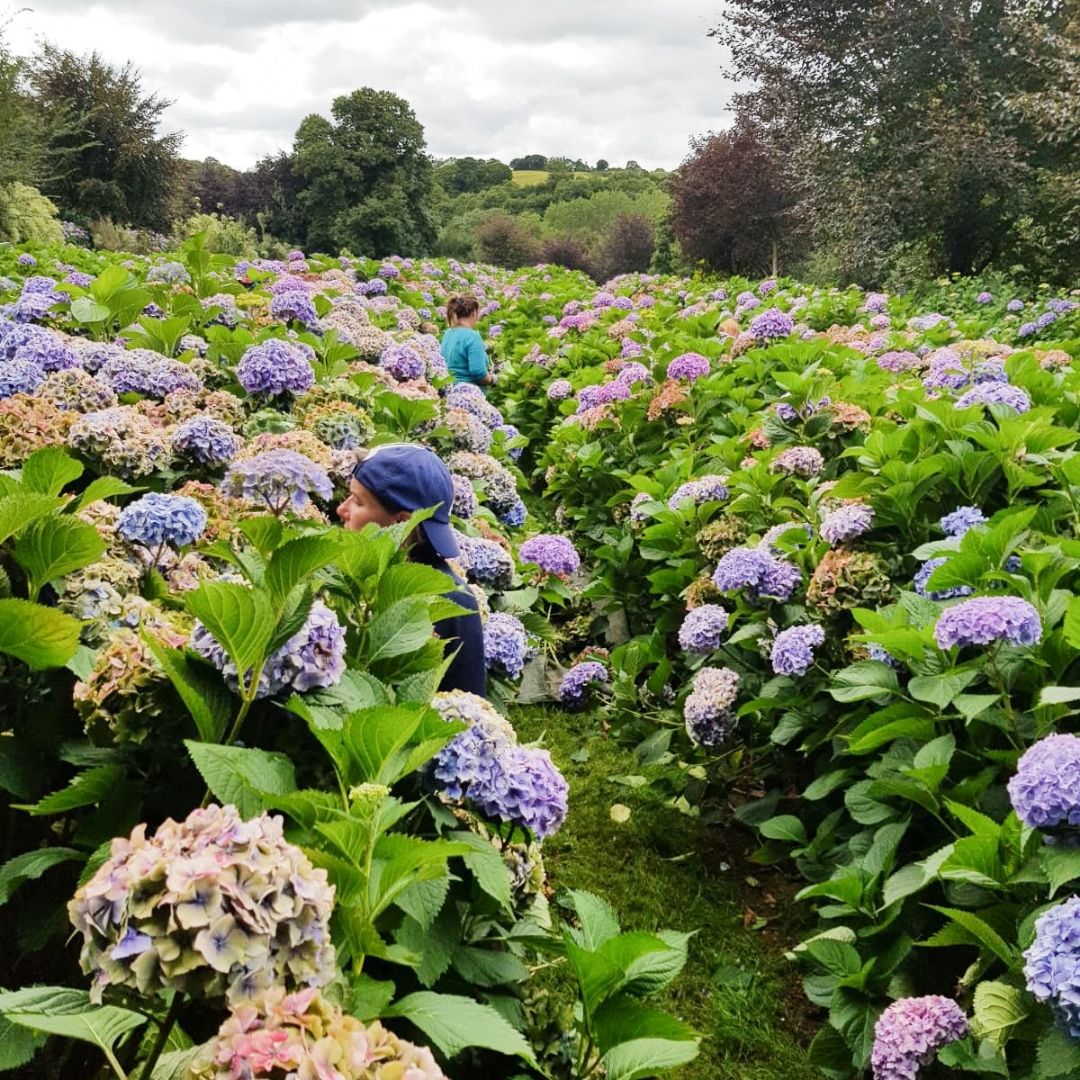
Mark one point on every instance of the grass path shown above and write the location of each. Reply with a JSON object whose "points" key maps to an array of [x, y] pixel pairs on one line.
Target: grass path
{"points": [[737, 989]]}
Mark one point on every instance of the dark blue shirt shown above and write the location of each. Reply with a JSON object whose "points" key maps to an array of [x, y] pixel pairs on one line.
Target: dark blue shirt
{"points": [[465, 633]]}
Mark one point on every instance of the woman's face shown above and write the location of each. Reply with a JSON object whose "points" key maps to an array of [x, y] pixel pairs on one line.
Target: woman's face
{"points": [[362, 508]]}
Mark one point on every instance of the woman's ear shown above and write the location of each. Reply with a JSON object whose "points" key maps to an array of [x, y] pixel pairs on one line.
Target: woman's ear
{"points": [[400, 516]]}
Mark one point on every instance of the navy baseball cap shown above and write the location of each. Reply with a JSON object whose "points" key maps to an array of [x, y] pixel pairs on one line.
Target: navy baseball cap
{"points": [[404, 477]]}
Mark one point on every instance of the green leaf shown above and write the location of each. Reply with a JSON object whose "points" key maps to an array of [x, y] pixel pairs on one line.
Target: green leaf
{"points": [[622, 1019], [646, 1057], [1058, 1055], [56, 546], [207, 698], [22, 509], [599, 923], [49, 470], [387, 742], [30, 865], [659, 970], [487, 866], [85, 309], [18, 1044], [785, 827], [69, 1013], [86, 789], [940, 690], [866, 679], [998, 1008], [295, 562], [239, 618], [104, 487], [412, 579], [837, 957], [402, 628], [1071, 626], [176, 1065], [597, 976], [488, 968], [424, 900], [1061, 865], [242, 775], [39, 636], [1059, 695], [982, 932], [452, 1023], [264, 532]]}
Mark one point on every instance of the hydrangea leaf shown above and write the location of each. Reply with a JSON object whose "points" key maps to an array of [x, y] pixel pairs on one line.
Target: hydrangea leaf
{"points": [[39, 636]]}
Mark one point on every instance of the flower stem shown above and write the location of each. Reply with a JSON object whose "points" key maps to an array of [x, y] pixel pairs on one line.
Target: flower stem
{"points": [[163, 1035]]}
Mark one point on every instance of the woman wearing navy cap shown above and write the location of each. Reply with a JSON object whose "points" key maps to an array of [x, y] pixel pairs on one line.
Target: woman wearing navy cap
{"points": [[387, 487]]}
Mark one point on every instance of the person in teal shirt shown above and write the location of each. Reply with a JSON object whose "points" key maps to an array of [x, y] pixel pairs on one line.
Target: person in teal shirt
{"points": [[462, 347]]}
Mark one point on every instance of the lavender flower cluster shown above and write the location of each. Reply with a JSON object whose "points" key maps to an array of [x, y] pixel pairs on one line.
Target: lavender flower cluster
{"points": [[984, 620], [759, 571], [485, 562], [689, 366], [772, 323], [274, 368], [1045, 791], [792, 650], [313, 657], [846, 523], [1052, 963], [278, 479], [205, 441], [578, 682], [911, 1031], [402, 362], [157, 520], [506, 645], [703, 629], [707, 712], [552, 553], [704, 489], [802, 461], [213, 905]]}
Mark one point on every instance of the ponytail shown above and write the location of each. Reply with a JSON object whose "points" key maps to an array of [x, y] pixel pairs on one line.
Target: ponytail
{"points": [[460, 307]]}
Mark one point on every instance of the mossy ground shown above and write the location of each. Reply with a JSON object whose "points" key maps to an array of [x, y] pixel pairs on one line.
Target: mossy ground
{"points": [[737, 989]]}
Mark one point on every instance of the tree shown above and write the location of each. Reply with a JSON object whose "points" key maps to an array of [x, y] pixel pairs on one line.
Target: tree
{"points": [[905, 99], [529, 163], [730, 201], [629, 245], [105, 157], [567, 251], [367, 179], [505, 241], [22, 149], [602, 165], [470, 174]]}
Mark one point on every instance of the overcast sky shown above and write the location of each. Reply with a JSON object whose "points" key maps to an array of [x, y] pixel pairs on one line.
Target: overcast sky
{"points": [[613, 79]]}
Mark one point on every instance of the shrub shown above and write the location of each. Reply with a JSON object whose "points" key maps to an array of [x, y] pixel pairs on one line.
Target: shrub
{"points": [[27, 216], [504, 241]]}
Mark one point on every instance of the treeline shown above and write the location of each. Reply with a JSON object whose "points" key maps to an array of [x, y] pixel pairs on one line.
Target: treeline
{"points": [[889, 143]]}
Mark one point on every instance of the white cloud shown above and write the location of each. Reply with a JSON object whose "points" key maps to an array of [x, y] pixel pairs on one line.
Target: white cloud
{"points": [[618, 79]]}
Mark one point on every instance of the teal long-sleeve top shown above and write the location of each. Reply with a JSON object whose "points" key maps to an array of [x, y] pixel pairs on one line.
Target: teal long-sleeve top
{"points": [[465, 355]]}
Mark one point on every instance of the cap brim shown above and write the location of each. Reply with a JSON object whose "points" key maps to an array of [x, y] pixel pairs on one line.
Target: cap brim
{"points": [[441, 537]]}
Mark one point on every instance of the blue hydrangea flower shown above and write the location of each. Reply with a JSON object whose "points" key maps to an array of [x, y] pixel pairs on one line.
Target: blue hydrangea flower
{"points": [[1045, 791], [757, 570], [705, 489], [984, 298], [465, 500], [206, 440], [995, 393], [1052, 963], [793, 649], [402, 362], [1015, 305], [19, 377], [559, 390], [273, 368], [530, 792], [155, 521], [295, 304], [689, 366], [707, 713], [278, 478], [983, 620], [49, 352], [515, 515], [506, 645], [485, 561], [963, 518], [925, 572], [703, 629], [579, 680]]}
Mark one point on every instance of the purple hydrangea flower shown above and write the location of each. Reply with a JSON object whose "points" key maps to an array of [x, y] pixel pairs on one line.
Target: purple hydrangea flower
{"points": [[26, 259], [19, 377], [553, 554], [205, 440], [983, 620], [506, 644], [803, 461], [961, 520], [559, 390], [278, 478], [508, 432], [388, 270], [928, 322], [403, 363], [1045, 791], [984, 298], [926, 571], [157, 520], [589, 397], [707, 713], [876, 302], [757, 570], [515, 515], [465, 500], [273, 368], [576, 683], [46, 350], [639, 516], [39, 283], [703, 629], [1052, 963], [689, 366], [793, 649], [530, 792], [898, 361], [313, 657], [294, 304], [485, 561], [995, 393], [1015, 305], [165, 376], [702, 490], [846, 523], [772, 323], [633, 373], [911, 1031]]}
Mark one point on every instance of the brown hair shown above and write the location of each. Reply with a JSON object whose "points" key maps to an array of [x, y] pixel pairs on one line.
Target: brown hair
{"points": [[461, 307]]}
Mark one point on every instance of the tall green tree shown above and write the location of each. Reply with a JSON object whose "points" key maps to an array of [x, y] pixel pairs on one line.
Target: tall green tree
{"points": [[109, 159], [21, 144], [897, 117], [368, 182]]}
